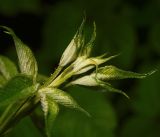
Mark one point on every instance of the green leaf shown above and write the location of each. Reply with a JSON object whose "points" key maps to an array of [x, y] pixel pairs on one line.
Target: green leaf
{"points": [[114, 73], [18, 88], [7, 68], [63, 98], [27, 61], [21, 95], [51, 110], [12, 97]]}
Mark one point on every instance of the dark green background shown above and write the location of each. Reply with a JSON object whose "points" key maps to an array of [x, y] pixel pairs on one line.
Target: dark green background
{"points": [[129, 27]]}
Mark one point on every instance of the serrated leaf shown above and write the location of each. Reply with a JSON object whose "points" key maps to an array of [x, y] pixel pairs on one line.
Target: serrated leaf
{"points": [[51, 110], [63, 98], [27, 61], [16, 89], [7, 68], [114, 73]]}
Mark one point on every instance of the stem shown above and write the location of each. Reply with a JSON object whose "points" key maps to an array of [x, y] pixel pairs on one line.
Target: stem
{"points": [[8, 116], [66, 74], [14, 113], [58, 82], [53, 76]]}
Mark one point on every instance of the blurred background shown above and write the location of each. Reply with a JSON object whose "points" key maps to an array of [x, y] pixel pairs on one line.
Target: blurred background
{"points": [[129, 27]]}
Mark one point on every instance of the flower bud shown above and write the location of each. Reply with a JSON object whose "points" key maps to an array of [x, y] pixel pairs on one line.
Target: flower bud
{"points": [[71, 52]]}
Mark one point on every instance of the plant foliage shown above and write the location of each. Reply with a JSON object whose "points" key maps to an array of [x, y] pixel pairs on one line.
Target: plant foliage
{"points": [[22, 91]]}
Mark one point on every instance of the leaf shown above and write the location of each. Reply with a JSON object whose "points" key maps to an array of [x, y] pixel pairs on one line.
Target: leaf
{"points": [[63, 98], [51, 110], [18, 88], [113, 73], [27, 61], [21, 95], [7, 68], [12, 97]]}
